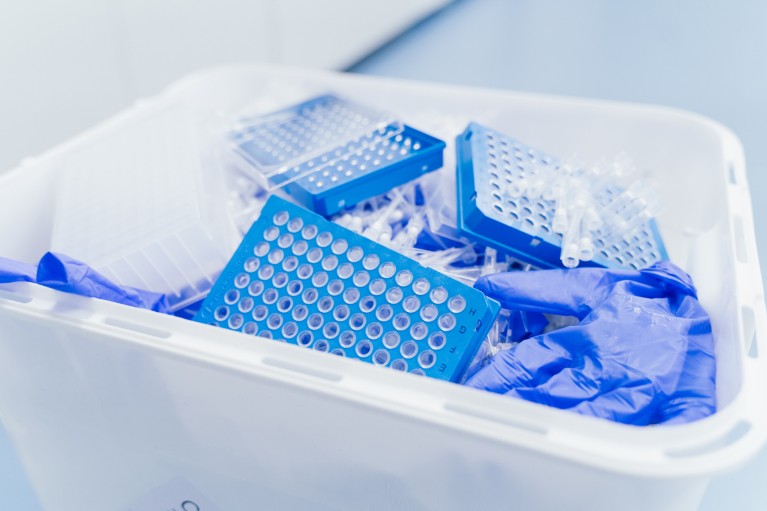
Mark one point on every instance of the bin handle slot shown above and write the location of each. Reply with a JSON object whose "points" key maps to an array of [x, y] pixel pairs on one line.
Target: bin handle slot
{"points": [[731, 173], [14, 297], [748, 319], [134, 327], [732, 436], [307, 371], [489, 416]]}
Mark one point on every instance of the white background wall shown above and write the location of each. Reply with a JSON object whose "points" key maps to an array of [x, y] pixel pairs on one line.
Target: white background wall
{"points": [[65, 65]]}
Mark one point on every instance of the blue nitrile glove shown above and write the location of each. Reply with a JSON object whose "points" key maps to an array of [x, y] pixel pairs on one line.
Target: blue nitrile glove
{"points": [[643, 352], [15, 271], [66, 274]]}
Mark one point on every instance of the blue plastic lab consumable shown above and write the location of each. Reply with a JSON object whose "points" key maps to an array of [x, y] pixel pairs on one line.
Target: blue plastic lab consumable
{"points": [[60, 272], [495, 212], [642, 352], [329, 153], [298, 278]]}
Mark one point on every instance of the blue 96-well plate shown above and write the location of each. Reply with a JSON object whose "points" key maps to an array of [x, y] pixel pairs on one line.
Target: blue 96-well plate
{"points": [[303, 280]]}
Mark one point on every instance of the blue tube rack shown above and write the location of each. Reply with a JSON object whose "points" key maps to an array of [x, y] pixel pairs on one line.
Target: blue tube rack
{"points": [[299, 278], [391, 162], [520, 227]]}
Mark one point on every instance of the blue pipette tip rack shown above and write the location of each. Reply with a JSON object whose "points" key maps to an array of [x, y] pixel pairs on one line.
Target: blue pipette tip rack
{"points": [[486, 161], [329, 153], [301, 279]]}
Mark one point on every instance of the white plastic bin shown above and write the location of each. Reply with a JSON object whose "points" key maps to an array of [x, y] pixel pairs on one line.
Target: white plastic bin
{"points": [[105, 403]]}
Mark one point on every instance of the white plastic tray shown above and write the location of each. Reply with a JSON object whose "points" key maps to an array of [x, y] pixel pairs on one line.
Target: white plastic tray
{"points": [[105, 403]]}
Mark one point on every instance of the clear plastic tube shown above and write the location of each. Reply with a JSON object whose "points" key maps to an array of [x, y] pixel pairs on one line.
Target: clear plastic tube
{"points": [[559, 223], [571, 240]]}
